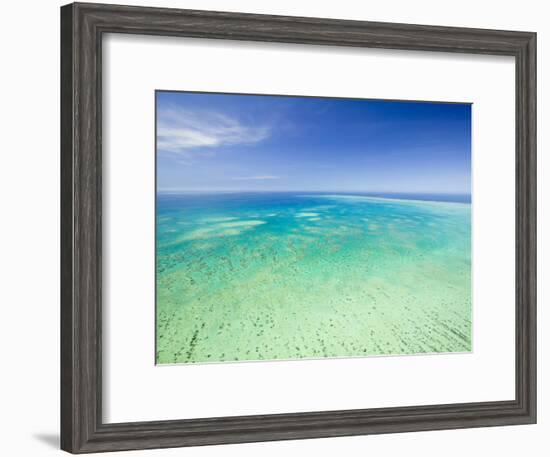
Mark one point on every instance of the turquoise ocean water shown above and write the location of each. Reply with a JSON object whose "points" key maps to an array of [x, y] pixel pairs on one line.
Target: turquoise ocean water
{"points": [[265, 276]]}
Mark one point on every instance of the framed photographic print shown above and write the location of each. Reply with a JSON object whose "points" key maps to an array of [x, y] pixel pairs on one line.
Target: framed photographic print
{"points": [[282, 227]]}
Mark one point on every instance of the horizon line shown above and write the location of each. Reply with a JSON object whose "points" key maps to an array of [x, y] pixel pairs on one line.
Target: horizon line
{"points": [[260, 191]]}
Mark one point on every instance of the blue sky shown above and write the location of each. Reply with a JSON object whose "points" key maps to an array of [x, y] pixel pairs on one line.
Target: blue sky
{"points": [[220, 142]]}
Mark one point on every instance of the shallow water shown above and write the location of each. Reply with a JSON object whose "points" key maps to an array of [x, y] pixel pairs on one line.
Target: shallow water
{"points": [[288, 276]]}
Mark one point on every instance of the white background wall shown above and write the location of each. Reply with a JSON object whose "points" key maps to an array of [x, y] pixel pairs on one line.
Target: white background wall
{"points": [[29, 241]]}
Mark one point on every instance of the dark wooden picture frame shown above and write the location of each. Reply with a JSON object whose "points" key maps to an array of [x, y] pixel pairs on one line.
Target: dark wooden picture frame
{"points": [[82, 29]]}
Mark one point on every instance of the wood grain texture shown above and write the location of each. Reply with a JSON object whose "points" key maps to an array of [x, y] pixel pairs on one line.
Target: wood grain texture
{"points": [[82, 28]]}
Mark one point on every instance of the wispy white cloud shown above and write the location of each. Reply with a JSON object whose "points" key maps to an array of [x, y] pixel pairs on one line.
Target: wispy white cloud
{"points": [[186, 132], [256, 178]]}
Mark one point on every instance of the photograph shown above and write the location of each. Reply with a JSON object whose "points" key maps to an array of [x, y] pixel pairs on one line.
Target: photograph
{"points": [[294, 227]]}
